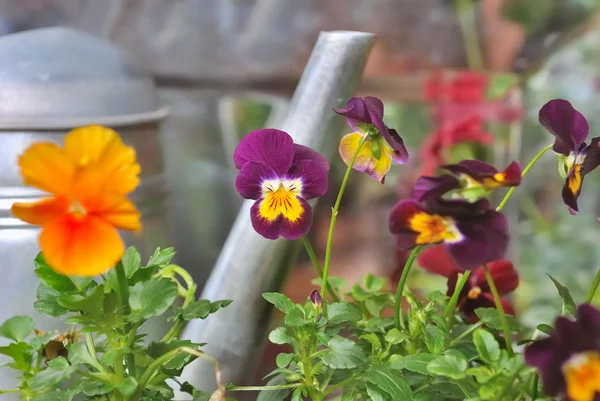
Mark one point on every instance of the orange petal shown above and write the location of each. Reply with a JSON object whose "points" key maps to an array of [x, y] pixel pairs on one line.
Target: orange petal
{"points": [[80, 245], [46, 166], [116, 210], [40, 212]]}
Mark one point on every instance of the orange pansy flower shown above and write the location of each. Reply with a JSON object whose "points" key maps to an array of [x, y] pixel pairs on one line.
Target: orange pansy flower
{"points": [[89, 179]]}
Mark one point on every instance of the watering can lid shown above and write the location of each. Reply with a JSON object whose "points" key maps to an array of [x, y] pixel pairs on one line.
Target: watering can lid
{"points": [[60, 78]]}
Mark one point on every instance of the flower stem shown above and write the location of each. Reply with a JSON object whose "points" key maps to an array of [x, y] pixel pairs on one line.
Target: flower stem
{"points": [[465, 333], [317, 265], [334, 213], [263, 388], [124, 298], [525, 171], [189, 296], [465, 10], [454, 300], [399, 321], [592, 292], [498, 302]]}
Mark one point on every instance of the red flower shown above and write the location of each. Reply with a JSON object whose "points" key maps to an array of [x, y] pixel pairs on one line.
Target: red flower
{"points": [[476, 292], [465, 86]]}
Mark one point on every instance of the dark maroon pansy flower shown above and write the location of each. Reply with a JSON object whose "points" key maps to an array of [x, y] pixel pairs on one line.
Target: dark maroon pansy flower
{"points": [[476, 173], [569, 360], [570, 129], [427, 187], [281, 176], [473, 233], [476, 293], [369, 110]]}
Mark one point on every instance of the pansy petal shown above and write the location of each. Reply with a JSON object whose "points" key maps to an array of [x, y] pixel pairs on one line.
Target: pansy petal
{"points": [[80, 246], [437, 261], [296, 229], [572, 189], [280, 226], [488, 298], [46, 166], [355, 112], [302, 152], [406, 241], [473, 168], [504, 274], [569, 126], [374, 106], [427, 187], [540, 355], [483, 240], [312, 175], [272, 147], [592, 157], [401, 213], [365, 160], [251, 177], [400, 154], [85, 145], [120, 212], [40, 212]]}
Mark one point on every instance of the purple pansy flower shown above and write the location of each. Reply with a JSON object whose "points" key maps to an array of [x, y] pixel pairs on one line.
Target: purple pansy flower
{"points": [[570, 129], [473, 233], [382, 146], [569, 360], [281, 176], [476, 173]]}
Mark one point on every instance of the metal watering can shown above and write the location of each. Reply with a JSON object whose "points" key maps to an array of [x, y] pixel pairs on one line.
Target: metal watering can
{"points": [[250, 264]]}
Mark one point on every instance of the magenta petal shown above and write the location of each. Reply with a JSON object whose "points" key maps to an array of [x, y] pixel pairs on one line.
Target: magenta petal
{"points": [[313, 177], [569, 126], [397, 144], [281, 227], [427, 187], [302, 152], [485, 240], [355, 112], [250, 178], [374, 106], [266, 228], [272, 147], [401, 214], [406, 241], [299, 228], [473, 168]]}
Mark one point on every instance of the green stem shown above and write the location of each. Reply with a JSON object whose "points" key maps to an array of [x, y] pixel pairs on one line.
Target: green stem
{"points": [[263, 388], [534, 386], [457, 290], [465, 10], [90, 345], [334, 213], [124, 298], [590, 295], [399, 321], [465, 333], [498, 302], [525, 171], [317, 265], [189, 296]]}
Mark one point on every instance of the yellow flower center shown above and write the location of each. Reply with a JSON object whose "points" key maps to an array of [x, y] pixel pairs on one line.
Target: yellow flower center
{"points": [[575, 179], [77, 209], [281, 198], [582, 374], [433, 229], [474, 293]]}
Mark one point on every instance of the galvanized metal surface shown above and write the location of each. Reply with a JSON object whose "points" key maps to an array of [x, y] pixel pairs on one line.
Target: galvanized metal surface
{"points": [[250, 264]]}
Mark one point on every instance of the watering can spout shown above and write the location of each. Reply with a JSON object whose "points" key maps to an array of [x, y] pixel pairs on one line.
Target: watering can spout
{"points": [[250, 264]]}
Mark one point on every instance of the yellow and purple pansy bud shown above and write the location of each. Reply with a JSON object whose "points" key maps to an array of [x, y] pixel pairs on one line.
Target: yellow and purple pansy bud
{"points": [[569, 360], [382, 147], [576, 159], [473, 233], [281, 176], [478, 179]]}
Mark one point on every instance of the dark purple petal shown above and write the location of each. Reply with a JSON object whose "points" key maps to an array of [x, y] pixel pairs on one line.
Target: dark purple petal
{"points": [[374, 107], [312, 175], [592, 156], [406, 241], [355, 112], [541, 355], [281, 227], [568, 126], [484, 240], [302, 152], [473, 168], [397, 144], [570, 197], [250, 178], [589, 318], [427, 187], [401, 214], [315, 298], [504, 274], [272, 147]]}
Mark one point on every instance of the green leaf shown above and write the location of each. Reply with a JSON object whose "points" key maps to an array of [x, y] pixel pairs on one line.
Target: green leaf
{"points": [[373, 283], [395, 336], [280, 335], [177, 362], [81, 282], [80, 354], [487, 346], [17, 328], [376, 393], [128, 386], [283, 360], [274, 395], [544, 328], [91, 387], [435, 339], [482, 373], [51, 278], [323, 338], [339, 312], [20, 353], [391, 382], [58, 370], [37, 342], [161, 257], [131, 261], [491, 318], [91, 303], [351, 392], [375, 342], [201, 309], [568, 303], [57, 395], [414, 362], [151, 298], [343, 354], [426, 396], [47, 303], [295, 317], [449, 366], [280, 301]]}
